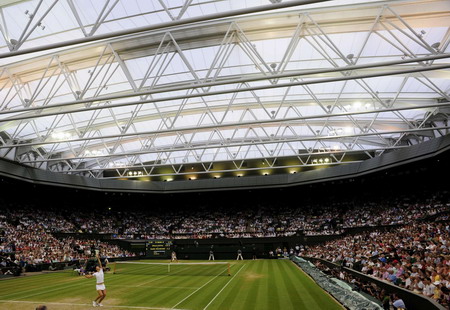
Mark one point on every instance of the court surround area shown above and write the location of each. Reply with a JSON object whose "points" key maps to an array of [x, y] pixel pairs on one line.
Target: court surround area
{"points": [[258, 284]]}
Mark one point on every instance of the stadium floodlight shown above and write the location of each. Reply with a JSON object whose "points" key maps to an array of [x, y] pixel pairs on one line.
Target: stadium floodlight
{"points": [[348, 129], [357, 105], [436, 45], [93, 153], [61, 135]]}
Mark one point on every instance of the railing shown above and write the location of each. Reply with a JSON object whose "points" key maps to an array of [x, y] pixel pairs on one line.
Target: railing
{"points": [[412, 300]]}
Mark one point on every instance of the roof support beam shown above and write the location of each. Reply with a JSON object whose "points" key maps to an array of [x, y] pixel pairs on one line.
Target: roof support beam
{"points": [[242, 123], [169, 24], [234, 81], [228, 91]]}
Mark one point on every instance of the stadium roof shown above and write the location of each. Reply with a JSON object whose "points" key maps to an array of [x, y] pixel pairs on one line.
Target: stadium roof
{"points": [[164, 89]]}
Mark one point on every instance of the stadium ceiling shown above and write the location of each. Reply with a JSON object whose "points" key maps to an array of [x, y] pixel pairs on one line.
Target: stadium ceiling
{"points": [[157, 90]]}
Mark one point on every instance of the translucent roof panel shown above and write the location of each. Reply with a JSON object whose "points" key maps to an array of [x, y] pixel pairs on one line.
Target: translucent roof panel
{"points": [[278, 87]]}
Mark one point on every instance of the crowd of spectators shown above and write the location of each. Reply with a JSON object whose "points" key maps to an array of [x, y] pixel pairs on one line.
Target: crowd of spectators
{"points": [[26, 239], [40, 235], [201, 222], [415, 257]]}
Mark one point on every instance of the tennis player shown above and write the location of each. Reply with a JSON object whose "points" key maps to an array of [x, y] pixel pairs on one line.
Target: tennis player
{"points": [[100, 284], [174, 257], [239, 256]]}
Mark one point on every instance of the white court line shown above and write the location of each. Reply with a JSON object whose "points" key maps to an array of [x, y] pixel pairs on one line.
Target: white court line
{"points": [[84, 305], [194, 292], [224, 287], [172, 273], [183, 287], [174, 264], [152, 280], [44, 292]]}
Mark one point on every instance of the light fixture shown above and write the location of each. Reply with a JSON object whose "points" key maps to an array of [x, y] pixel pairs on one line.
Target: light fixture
{"points": [[327, 160], [61, 135], [357, 105]]}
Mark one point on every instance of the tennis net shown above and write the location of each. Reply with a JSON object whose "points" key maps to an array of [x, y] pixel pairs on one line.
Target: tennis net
{"points": [[189, 269]]}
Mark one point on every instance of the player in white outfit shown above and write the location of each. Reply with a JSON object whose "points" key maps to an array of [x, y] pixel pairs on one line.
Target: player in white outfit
{"points": [[174, 257], [239, 256], [100, 284]]}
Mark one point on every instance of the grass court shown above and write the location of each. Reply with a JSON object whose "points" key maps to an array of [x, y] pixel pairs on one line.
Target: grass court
{"points": [[259, 284]]}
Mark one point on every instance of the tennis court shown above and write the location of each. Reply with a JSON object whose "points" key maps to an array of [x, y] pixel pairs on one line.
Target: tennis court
{"points": [[259, 284]]}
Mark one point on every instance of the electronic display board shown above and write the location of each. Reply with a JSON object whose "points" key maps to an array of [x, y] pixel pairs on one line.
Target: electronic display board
{"points": [[159, 248]]}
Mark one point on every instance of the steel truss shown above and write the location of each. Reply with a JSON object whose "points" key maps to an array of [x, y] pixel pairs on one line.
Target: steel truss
{"points": [[89, 109]]}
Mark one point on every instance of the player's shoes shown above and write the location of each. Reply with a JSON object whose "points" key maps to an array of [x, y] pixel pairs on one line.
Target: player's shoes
{"points": [[100, 305], [94, 304]]}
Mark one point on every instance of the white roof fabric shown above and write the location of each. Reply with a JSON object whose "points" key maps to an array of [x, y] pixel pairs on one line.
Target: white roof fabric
{"points": [[225, 90]]}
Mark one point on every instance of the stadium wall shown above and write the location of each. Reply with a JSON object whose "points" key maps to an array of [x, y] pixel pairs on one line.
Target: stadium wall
{"points": [[388, 160], [224, 248]]}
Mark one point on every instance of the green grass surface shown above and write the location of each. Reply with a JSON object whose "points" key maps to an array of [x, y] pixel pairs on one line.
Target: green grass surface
{"points": [[260, 284]]}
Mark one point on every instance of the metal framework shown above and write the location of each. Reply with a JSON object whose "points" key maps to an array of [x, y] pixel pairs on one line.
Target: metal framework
{"points": [[306, 86]]}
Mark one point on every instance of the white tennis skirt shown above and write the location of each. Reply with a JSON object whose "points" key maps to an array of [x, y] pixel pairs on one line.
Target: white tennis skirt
{"points": [[100, 287]]}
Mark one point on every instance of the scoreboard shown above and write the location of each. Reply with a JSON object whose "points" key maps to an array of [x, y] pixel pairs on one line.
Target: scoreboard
{"points": [[159, 248]]}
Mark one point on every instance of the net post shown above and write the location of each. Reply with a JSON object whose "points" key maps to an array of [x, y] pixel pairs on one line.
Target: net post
{"points": [[114, 268], [228, 267], [168, 268]]}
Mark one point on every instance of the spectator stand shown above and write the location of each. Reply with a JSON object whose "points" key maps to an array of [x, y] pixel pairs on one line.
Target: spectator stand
{"points": [[412, 300]]}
